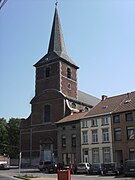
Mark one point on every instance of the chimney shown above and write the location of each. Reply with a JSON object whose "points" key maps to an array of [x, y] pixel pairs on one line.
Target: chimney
{"points": [[128, 95], [104, 97]]}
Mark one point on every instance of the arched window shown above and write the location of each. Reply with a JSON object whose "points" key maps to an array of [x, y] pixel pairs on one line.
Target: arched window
{"points": [[69, 86], [68, 73], [47, 113], [73, 105], [47, 72]]}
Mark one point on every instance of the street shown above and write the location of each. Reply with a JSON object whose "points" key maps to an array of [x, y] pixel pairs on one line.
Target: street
{"points": [[37, 175], [4, 177], [91, 177]]}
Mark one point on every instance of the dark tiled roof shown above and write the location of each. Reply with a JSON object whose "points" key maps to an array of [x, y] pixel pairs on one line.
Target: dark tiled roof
{"points": [[56, 47], [114, 104], [85, 99], [72, 117], [88, 99]]}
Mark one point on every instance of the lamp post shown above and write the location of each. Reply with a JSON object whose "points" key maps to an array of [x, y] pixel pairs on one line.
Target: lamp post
{"points": [[20, 157]]}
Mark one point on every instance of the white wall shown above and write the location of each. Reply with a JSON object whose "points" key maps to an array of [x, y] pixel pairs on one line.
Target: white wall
{"points": [[100, 143]]}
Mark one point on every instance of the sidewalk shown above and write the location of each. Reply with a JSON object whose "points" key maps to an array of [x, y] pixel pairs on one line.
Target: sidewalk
{"points": [[44, 178]]}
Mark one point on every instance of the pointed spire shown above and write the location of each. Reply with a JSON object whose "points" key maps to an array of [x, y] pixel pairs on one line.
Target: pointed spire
{"points": [[56, 3], [56, 47], [56, 40]]}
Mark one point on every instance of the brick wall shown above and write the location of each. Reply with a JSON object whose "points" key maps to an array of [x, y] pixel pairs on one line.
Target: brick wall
{"points": [[124, 145]]}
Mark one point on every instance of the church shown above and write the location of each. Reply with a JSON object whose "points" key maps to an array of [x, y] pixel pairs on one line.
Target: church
{"points": [[56, 97]]}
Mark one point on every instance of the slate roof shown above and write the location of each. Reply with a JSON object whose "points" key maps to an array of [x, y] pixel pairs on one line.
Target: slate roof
{"points": [[72, 117], [87, 98], [56, 47], [115, 104]]}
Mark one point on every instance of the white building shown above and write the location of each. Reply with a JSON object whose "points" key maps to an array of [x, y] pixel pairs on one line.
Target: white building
{"points": [[97, 131], [96, 139]]}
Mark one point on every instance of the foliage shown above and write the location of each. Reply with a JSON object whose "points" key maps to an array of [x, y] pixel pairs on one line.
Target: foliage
{"points": [[3, 136], [9, 137]]}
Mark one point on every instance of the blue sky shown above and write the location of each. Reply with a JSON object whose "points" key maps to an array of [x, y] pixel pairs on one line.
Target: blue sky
{"points": [[99, 37]]}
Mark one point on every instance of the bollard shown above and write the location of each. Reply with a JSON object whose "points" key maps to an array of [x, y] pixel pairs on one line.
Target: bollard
{"points": [[64, 175]]}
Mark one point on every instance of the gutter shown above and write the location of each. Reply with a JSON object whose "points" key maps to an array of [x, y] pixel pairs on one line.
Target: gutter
{"points": [[96, 115]]}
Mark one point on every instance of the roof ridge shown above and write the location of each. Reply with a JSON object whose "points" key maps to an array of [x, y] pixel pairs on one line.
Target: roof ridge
{"points": [[120, 95], [109, 105]]}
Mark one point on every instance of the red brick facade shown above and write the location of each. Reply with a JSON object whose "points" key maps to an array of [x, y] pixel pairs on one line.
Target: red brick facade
{"points": [[122, 148]]}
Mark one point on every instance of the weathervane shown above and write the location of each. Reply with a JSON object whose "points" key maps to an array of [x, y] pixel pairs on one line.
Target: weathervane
{"points": [[56, 3]]}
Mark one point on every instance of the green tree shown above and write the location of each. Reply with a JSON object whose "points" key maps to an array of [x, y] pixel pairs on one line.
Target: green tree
{"points": [[13, 137], [3, 136]]}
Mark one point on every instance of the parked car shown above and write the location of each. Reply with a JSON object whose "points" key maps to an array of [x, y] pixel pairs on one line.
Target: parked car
{"points": [[47, 166], [83, 168], [129, 168], [110, 169], [4, 165], [96, 168], [4, 162], [70, 167]]}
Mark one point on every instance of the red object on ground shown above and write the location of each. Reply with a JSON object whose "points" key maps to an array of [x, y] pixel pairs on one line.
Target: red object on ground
{"points": [[64, 175]]}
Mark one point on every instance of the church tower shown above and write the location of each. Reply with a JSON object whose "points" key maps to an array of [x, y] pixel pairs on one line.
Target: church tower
{"points": [[56, 97], [56, 81], [56, 70]]}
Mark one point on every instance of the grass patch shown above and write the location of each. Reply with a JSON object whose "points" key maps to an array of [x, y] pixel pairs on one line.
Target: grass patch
{"points": [[25, 177]]}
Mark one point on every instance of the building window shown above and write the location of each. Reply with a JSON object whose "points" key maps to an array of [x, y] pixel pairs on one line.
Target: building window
{"points": [[63, 128], [86, 109], [106, 155], [105, 134], [129, 117], [39, 73], [63, 141], [94, 122], [73, 105], [116, 119], [84, 124], [95, 155], [94, 136], [73, 140], [68, 73], [85, 156], [73, 126], [85, 137], [47, 72], [130, 133], [68, 158], [47, 113], [117, 134], [131, 154], [105, 121]]}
